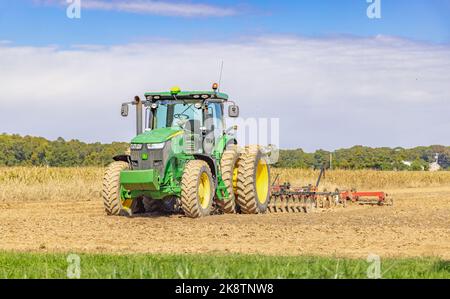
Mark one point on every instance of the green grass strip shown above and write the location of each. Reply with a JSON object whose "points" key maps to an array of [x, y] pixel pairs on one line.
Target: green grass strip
{"points": [[44, 265]]}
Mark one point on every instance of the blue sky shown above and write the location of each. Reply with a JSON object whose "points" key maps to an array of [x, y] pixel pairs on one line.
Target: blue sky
{"points": [[332, 77], [28, 22]]}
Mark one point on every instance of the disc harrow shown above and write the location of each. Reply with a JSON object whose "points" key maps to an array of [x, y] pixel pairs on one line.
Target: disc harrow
{"points": [[287, 199]]}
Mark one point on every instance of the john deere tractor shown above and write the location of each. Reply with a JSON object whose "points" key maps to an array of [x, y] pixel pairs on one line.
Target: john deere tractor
{"points": [[183, 160]]}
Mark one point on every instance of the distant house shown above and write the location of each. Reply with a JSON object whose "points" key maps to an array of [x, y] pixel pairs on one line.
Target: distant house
{"points": [[407, 163], [435, 165]]}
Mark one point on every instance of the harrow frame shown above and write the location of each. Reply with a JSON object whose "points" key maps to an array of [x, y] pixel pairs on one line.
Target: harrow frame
{"points": [[287, 199]]}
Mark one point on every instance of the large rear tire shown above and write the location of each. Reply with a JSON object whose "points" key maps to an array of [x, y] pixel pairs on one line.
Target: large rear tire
{"points": [[111, 189], [197, 189], [253, 183], [229, 168]]}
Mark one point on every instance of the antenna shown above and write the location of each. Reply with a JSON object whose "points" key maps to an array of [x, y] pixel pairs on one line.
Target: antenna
{"points": [[220, 76]]}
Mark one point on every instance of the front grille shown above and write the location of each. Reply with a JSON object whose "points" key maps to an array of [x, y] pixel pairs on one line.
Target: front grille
{"points": [[154, 160]]}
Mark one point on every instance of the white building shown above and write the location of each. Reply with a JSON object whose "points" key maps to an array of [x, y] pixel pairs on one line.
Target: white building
{"points": [[407, 163], [435, 165]]}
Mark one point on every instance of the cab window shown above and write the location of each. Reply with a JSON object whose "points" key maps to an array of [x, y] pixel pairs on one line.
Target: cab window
{"points": [[215, 116]]}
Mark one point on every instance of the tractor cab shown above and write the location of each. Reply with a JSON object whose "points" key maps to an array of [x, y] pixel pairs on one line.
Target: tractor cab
{"points": [[198, 116]]}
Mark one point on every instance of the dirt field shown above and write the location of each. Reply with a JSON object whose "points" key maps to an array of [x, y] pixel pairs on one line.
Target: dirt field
{"points": [[417, 225]]}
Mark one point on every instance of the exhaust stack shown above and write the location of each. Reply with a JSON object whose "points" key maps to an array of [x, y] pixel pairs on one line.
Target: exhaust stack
{"points": [[138, 103]]}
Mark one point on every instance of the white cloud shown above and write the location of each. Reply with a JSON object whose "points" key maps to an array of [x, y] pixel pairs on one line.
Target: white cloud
{"points": [[328, 93], [167, 8]]}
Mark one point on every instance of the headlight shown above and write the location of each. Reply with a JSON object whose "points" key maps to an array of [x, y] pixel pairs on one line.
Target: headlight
{"points": [[136, 146], [156, 146]]}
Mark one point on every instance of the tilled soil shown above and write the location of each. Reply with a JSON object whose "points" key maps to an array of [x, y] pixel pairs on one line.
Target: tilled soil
{"points": [[417, 225]]}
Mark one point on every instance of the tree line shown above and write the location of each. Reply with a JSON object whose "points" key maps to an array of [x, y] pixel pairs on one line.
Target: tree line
{"points": [[362, 157], [16, 150]]}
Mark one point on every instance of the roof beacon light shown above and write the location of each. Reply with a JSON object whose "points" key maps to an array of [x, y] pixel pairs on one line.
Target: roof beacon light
{"points": [[215, 86], [175, 90]]}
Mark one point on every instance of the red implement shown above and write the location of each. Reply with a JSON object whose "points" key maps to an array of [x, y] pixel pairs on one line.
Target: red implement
{"points": [[372, 198]]}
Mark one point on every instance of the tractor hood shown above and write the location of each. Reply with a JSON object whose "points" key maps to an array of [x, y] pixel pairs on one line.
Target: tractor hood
{"points": [[156, 136]]}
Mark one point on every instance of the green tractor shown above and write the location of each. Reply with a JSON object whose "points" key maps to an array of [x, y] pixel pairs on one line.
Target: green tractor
{"points": [[183, 160]]}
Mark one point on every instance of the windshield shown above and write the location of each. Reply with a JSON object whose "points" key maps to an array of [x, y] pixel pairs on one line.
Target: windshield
{"points": [[177, 114]]}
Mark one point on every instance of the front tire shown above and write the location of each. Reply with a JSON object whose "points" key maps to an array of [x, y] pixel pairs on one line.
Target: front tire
{"points": [[197, 189], [111, 189]]}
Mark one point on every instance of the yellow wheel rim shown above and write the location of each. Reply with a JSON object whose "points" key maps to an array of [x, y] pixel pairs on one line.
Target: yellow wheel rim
{"points": [[204, 190], [262, 181], [127, 203], [235, 178]]}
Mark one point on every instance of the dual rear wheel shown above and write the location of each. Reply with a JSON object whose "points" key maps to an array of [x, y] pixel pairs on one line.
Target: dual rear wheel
{"points": [[230, 170], [247, 179], [253, 182]]}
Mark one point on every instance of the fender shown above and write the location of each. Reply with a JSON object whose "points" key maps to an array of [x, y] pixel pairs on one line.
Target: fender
{"points": [[123, 158], [211, 163], [231, 142], [223, 144]]}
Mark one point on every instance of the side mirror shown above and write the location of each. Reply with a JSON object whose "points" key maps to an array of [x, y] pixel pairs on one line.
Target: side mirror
{"points": [[124, 110], [233, 111]]}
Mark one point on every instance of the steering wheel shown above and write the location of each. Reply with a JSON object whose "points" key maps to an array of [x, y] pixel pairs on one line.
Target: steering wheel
{"points": [[182, 119], [181, 116]]}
